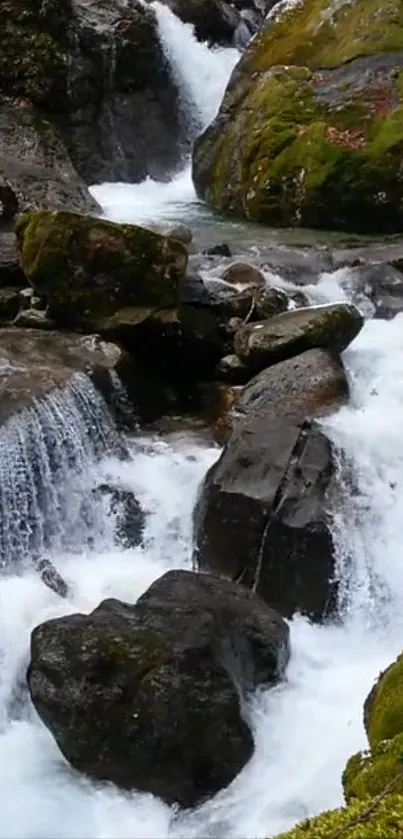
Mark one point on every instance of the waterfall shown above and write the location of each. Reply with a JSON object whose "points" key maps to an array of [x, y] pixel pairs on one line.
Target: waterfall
{"points": [[201, 72], [46, 453]]}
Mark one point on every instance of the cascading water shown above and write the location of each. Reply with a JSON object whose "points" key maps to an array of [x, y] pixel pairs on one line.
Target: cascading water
{"points": [[306, 727], [201, 74], [44, 453]]}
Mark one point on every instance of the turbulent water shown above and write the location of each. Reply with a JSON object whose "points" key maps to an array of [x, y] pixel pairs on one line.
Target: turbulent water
{"points": [[305, 728]]}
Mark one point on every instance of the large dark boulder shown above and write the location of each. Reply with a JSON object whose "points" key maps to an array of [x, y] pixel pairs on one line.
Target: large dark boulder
{"points": [[95, 71], [151, 696], [262, 511]]}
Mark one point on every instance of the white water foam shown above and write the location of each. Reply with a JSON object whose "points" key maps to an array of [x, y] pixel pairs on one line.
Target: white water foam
{"points": [[307, 727]]}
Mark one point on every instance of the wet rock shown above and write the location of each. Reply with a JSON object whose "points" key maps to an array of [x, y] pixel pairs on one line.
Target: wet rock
{"points": [[150, 696], [9, 304], [381, 285], [87, 269], [34, 319], [240, 273], [332, 326], [261, 515], [230, 369], [127, 511], [35, 168], [34, 362], [11, 274], [175, 231], [94, 70], [218, 250], [269, 301], [51, 577]]}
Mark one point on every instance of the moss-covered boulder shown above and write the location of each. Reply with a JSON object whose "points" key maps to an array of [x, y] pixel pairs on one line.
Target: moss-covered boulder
{"points": [[87, 269], [368, 773], [310, 131], [361, 820], [288, 334], [383, 709]]}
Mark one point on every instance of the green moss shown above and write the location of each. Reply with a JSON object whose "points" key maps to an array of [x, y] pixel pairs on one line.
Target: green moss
{"points": [[384, 706], [319, 33], [89, 269], [287, 157], [368, 773], [384, 822]]}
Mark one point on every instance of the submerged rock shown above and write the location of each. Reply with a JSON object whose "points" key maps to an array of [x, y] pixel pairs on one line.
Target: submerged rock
{"points": [[150, 696], [127, 511], [295, 145], [332, 326], [87, 269], [261, 515]]}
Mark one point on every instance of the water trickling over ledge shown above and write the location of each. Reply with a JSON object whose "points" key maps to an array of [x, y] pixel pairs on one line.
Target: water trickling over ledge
{"points": [[46, 453]]}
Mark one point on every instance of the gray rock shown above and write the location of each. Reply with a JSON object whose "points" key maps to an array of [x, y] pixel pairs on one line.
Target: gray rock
{"points": [[261, 515], [35, 168], [332, 326], [34, 362]]}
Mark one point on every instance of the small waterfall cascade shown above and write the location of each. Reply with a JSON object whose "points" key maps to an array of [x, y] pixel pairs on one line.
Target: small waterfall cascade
{"points": [[47, 455], [201, 72]]}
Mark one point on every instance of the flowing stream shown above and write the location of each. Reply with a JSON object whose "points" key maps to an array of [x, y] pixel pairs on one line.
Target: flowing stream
{"points": [[306, 728]]}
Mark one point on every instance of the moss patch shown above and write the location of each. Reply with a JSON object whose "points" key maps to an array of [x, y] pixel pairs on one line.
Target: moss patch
{"points": [[385, 822], [384, 706], [368, 773], [323, 33]]}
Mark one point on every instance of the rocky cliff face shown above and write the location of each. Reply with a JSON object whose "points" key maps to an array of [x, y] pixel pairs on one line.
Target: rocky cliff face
{"points": [[310, 131], [93, 74]]}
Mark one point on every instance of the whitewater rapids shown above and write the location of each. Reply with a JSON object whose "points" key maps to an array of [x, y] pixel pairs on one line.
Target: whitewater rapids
{"points": [[307, 727]]}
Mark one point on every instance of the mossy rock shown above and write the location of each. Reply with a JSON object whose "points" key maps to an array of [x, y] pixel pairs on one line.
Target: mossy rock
{"points": [[383, 710], [88, 269], [384, 821], [322, 33], [293, 145], [368, 773]]}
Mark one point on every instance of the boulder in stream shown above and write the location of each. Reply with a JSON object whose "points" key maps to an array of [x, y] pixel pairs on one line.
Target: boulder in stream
{"points": [[88, 269], [332, 326], [262, 513], [309, 132], [151, 696]]}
